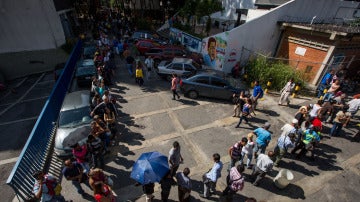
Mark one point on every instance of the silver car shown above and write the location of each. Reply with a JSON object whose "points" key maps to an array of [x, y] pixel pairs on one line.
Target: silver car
{"points": [[183, 67], [73, 125]]}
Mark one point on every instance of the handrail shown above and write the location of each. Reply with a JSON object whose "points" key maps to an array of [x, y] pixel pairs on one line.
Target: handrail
{"points": [[39, 145]]}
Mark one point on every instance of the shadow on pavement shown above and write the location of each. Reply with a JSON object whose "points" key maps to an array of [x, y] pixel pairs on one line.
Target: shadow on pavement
{"points": [[268, 112], [188, 102], [292, 191], [297, 168]]}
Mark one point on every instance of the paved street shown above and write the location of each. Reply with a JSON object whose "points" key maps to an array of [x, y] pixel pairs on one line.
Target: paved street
{"points": [[150, 121]]}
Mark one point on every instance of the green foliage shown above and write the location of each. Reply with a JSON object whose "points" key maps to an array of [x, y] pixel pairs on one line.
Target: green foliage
{"points": [[263, 69], [188, 29]]}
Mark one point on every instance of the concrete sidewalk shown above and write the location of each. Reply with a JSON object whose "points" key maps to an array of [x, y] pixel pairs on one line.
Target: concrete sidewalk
{"points": [[151, 121]]}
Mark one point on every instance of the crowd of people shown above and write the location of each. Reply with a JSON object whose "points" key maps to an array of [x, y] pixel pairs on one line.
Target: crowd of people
{"points": [[303, 132]]}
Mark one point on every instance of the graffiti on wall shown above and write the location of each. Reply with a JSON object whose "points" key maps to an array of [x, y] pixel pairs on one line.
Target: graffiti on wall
{"points": [[214, 50]]}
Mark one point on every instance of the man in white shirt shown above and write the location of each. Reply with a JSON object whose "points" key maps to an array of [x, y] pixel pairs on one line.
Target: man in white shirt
{"points": [[264, 165], [286, 92], [210, 178], [354, 105], [149, 62]]}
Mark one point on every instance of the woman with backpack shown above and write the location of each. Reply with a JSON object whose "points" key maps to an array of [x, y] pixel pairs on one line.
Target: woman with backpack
{"points": [[235, 182]]}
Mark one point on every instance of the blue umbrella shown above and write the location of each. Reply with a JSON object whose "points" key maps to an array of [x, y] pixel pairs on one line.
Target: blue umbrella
{"points": [[150, 167]]}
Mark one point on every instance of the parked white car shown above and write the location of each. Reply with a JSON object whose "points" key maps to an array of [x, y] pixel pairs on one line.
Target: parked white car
{"points": [[183, 67]]}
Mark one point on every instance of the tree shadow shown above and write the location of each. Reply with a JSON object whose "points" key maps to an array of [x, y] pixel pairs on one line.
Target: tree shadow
{"points": [[188, 102], [268, 112], [292, 191], [298, 168]]}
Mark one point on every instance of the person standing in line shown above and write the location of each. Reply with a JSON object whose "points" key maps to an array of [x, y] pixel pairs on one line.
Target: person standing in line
{"points": [[166, 182], [235, 152], [235, 182], [148, 190], [184, 185], [175, 158], [257, 93], [301, 115], [139, 76], [73, 172], [263, 166], [248, 150], [325, 82], [263, 137], [309, 142], [210, 178], [286, 92], [342, 118], [45, 186], [129, 64], [174, 83], [149, 62], [283, 144]]}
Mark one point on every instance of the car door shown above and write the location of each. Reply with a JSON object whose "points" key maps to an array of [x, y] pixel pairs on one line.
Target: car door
{"points": [[220, 88], [201, 85], [175, 68]]}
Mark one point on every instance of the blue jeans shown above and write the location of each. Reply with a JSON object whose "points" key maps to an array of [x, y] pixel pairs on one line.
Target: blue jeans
{"points": [[321, 90], [249, 158], [129, 67], [241, 118], [258, 147], [335, 130]]}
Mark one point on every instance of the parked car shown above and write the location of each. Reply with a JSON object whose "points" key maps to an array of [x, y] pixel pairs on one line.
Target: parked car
{"points": [[85, 70], [165, 53], [73, 125], [145, 45], [183, 67], [143, 35], [211, 84], [89, 51]]}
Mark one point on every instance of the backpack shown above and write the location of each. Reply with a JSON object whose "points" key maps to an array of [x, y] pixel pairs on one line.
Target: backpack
{"points": [[54, 188], [237, 185]]}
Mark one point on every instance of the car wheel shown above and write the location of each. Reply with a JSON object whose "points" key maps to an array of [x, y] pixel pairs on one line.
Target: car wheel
{"points": [[193, 94]]}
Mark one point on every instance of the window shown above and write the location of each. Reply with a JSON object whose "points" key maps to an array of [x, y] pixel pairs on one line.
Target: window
{"points": [[203, 80], [188, 68], [177, 66], [218, 82], [308, 69], [154, 51]]}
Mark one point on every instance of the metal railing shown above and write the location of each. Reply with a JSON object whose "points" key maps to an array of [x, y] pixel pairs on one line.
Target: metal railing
{"points": [[38, 148]]}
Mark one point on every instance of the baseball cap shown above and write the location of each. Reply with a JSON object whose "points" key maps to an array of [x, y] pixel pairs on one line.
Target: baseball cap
{"points": [[295, 121]]}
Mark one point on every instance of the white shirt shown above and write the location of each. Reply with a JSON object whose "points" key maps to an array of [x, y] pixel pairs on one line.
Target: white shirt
{"points": [[149, 62], [248, 148], [264, 163], [215, 172], [286, 129], [314, 110], [354, 105]]}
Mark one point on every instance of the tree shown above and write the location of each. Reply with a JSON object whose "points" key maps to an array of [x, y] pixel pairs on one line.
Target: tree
{"points": [[200, 8]]}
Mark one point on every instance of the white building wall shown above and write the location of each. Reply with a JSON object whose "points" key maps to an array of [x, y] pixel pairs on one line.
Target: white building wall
{"points": [[262, 33], [28, 25]]}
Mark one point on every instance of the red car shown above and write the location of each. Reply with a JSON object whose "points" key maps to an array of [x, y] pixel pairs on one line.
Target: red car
{"points": [[145, 45], [170, 52]]}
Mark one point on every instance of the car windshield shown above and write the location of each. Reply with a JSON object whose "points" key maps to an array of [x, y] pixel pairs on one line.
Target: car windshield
{"points": [[237, 83], [75, 117], [198, 66], [85, 70]]}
